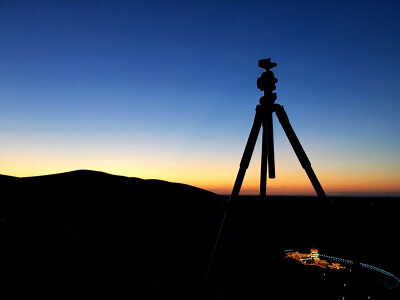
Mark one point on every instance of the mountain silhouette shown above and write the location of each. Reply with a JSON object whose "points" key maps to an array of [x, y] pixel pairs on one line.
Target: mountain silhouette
{"points": [[83, 203], [90, 234], [162, 225]]}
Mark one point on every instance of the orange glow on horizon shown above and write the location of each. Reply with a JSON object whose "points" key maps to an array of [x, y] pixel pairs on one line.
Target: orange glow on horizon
{"points": [[213, 174], [218, 182]]}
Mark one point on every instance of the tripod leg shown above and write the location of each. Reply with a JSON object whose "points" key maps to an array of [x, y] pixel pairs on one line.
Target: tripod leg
{"points": [[298, 149], [270, 145], [264, 160], [248, 151], [244, 164], [328, 205], [267, 154]]}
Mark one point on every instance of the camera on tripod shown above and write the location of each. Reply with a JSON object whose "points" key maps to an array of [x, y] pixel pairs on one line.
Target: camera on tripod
{"points": [[266, 64], [263, 120], [267, 80]]}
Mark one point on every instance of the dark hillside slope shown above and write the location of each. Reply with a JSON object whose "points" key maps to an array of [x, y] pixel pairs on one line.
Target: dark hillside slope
{"points": [[163, 225], [87, 203], [94, 235]]}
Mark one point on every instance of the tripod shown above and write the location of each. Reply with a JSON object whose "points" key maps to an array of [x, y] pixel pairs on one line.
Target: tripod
{"points": [[263, 118]]}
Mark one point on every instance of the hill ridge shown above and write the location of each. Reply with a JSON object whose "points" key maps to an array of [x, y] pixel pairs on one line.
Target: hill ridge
{"points": [[96, 173]]}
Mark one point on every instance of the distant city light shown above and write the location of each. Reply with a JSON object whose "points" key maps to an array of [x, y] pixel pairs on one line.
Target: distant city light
{"points": [[313, 258]]}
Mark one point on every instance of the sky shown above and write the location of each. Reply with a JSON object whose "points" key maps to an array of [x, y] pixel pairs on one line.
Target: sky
{"points": [[167, 90]]}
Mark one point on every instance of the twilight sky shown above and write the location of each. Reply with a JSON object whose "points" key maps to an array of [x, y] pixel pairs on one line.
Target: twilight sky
{"points": [[167, 90]]}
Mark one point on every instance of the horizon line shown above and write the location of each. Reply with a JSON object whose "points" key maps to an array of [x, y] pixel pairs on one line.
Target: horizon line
{"points": [[218, 191]]}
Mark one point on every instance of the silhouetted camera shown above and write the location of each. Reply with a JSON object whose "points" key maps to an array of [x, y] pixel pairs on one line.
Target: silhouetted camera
{"points": [[266, 64], [266, 82]]}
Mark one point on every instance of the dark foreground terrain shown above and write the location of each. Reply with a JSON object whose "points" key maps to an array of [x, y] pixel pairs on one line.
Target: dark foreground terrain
{"points": [[92, 235]]}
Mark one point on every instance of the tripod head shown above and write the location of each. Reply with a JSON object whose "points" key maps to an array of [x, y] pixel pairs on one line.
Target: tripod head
{"points": [[266, 64], [266, 82]]}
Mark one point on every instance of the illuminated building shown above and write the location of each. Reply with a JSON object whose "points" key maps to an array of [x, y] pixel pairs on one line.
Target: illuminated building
{"points": [[314, 253], [336, 265], [312, 259]]}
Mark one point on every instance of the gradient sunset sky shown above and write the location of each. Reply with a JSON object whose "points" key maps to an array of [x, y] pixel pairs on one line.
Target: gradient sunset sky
{"points": [[167, 90]]}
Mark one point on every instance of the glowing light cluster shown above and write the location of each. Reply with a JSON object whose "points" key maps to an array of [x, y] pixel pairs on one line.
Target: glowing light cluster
{"points": [[351, 262], [312, 259]]}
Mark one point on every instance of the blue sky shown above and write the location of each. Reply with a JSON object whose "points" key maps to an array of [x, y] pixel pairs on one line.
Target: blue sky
{"points": [[167, 89]]}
